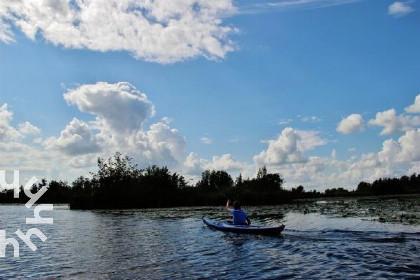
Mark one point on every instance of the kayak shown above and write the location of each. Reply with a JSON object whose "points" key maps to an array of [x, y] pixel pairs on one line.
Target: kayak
{"points": [[226, 226]]}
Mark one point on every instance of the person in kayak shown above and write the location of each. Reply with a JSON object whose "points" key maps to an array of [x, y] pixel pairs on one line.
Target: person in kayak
{"points": [[239, 216]]}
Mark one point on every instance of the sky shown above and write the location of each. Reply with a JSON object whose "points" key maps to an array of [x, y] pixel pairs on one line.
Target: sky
{"points": [[324, 92]]}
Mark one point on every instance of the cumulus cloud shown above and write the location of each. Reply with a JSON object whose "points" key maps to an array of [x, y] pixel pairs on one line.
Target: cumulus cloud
{"points": [[10, 133], [76, 139], [160, 145], [196, 165], [74, 151], [414, 108], [225, 162], [351, 124], [27, 128], [399, 9], [120, 107], [393, 123], [289, 147], [163, 31], [396, 158], [406, 149], [120, 112], [7, 131]]}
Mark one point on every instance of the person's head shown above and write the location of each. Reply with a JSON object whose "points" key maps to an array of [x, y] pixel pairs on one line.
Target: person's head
{"points": [[237, 205]]}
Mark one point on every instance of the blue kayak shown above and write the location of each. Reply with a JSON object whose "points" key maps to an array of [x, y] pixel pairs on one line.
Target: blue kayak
{"points": [[226, 226]]}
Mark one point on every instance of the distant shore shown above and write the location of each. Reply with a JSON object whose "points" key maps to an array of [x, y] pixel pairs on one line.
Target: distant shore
{"points": [[120, 184]]}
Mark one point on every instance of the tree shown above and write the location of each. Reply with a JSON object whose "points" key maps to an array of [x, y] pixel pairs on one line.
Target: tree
{"points": [[82, 184], [299, 190], [364, 188], [262, 172], [116, 172], [239, 181], [204, 183], [215, 181]]}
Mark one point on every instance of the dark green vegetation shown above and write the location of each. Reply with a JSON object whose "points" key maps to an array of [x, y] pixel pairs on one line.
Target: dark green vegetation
{"points": [[120, 184], [401, 209]]}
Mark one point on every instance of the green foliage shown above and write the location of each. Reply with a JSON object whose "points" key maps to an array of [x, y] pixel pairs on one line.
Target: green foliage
{"points": [[215, 181], [336, 192], [262, 172], [119, 183], [386, 186]]}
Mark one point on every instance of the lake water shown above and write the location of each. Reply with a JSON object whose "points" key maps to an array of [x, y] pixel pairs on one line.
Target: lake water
{"points": [[174, 244]]}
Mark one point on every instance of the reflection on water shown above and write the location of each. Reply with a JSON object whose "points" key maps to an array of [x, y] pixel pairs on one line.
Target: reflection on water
{"points": [[174, 243]]}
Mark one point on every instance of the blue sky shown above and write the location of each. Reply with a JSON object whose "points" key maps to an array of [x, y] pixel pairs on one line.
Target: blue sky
{"points": [[321, 91]]}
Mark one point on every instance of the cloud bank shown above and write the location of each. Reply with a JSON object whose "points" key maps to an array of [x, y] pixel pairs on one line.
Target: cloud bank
{"points": [[163, 31], [129, 128], [8, 132], [393, 123]]}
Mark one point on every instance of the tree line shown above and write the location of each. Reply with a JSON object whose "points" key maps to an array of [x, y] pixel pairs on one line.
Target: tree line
{"points": [[119, 183]]}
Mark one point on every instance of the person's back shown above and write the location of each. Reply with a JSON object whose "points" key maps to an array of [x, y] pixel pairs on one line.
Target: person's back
{"points": [[239, 216]]}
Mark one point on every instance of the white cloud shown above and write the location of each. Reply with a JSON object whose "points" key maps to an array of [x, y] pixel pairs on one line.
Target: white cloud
{"points": [[194, 164], [415, 167], [289, 147], [164, 145], [308, 3], [410, 148], [7, 131], [414, 108], [163, 31], [390, 150], [406, 149], [284, 121], [399, 9], [167, 120], [311, 119], [225, 162], [120, 112], [74, 151], [393, 123], [120, 107], [27, 128], [6, 34], [206, 140], [351, 124], [76, 139]]}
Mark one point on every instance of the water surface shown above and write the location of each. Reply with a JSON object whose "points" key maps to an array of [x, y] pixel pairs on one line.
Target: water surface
{"points": [[174, 243]]}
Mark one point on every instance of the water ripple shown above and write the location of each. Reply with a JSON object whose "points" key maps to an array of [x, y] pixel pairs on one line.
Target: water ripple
{"points": [[174, 244]]}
